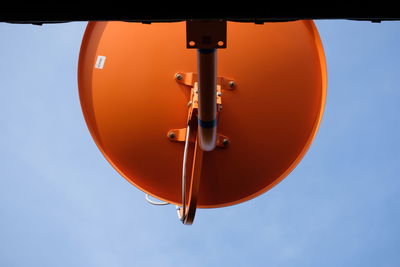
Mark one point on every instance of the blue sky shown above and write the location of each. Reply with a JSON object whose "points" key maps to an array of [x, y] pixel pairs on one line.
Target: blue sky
{"points": [[61, 204]]}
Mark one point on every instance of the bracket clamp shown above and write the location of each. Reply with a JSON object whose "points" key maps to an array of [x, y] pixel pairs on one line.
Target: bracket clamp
{"points": [[206, 34]]}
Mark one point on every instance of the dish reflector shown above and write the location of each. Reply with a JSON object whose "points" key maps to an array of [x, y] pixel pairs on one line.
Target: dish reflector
{"points": [[131, 100]]}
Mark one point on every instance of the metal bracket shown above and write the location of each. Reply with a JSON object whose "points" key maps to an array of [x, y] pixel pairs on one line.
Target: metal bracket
{"points": [[190, 78], [179, 135], [206, 34]]}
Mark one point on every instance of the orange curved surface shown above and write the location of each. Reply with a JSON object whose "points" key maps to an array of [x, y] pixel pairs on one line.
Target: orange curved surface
{"points": [[130, 100]]}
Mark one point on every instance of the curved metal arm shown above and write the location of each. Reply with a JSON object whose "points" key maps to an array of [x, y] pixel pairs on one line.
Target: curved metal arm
{"points": [[188, 211]]}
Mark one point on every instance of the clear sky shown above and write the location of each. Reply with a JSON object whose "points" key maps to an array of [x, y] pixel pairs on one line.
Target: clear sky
{"points": [[61, 204]]}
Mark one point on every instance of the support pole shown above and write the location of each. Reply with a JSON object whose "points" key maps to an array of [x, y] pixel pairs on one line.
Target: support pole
{"points": [[206, 37], [207, 116]]}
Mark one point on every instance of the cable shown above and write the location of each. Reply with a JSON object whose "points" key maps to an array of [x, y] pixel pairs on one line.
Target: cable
{"points": [[182, 218], [161, 203]]}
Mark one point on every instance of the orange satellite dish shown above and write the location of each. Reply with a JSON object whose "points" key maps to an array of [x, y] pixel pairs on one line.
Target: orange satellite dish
{"points": [[139, 90]]}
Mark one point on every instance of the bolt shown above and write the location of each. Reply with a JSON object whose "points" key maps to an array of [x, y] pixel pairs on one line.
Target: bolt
{"points": [[232, 84], [219, 93], [189, 103], [225, 142], [171, 135], [178, 76]]}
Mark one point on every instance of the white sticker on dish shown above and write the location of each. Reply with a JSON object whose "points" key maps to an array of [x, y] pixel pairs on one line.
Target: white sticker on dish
{"points": [[100, 62]]}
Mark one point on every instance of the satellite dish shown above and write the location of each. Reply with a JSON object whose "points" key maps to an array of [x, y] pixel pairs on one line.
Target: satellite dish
{"points": [[139, 91]]}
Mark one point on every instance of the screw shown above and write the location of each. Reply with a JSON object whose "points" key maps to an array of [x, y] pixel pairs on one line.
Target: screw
{"points": [[171, 135], [189, 103], [225, 142], [232, 84], [178, 76], [219, 93]]}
